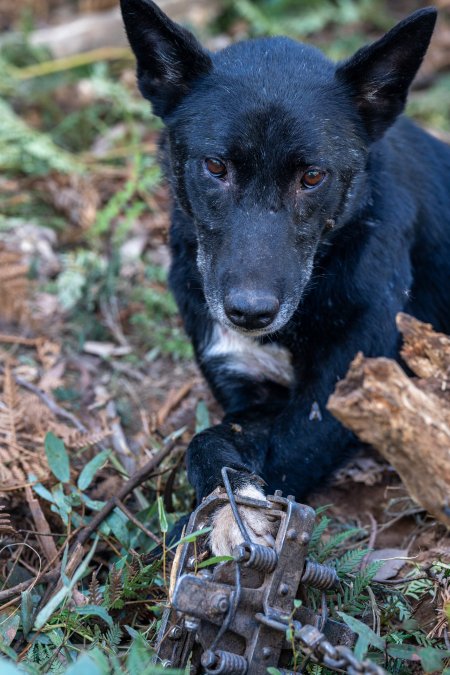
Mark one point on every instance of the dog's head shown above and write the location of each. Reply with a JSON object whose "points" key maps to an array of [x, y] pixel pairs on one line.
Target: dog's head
{"points": [[268, 147]]}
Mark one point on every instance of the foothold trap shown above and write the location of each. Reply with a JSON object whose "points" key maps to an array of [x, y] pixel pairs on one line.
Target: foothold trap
{"points": [[232, 617]]}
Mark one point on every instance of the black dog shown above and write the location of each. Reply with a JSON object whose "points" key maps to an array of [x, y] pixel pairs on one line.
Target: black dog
{"points": [[306, 214]]}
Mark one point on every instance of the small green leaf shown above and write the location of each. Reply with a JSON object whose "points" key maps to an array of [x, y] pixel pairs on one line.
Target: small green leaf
{"points": [[201, 417], [162, 516], [214, 560], [84, 665], [41, 490], [405, 652], [189, 538], [91, 468], [118, 522], [95, 610], [273, 671], [26, 612], [57, 457], [62, 505], [94, 504], [366, 635], [9, 624], [431, 658]]}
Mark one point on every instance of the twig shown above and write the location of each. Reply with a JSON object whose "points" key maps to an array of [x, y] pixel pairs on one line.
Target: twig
{"points": [[373, 531], [75, 61], [110, 314], [39, 519], [16, 340], [398, 582], [120, 505], [18, 588], [119, 440]]}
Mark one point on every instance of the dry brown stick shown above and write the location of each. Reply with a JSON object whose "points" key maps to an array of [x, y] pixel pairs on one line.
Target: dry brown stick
{"points": [[76, 554], [118, 439], [19, 588], [16, 340], [409, 427], [173, 399], [47, 544]]}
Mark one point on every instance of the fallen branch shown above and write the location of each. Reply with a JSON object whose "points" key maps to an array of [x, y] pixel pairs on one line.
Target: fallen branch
{"points": [[409, 427]]}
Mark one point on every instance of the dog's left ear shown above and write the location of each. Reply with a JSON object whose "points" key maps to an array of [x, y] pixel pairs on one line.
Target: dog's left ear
{"points": [[169, 58], [379, 75]]}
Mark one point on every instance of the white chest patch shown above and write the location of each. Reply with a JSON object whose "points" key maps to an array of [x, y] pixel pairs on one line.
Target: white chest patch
{"points": [[246, 355]]}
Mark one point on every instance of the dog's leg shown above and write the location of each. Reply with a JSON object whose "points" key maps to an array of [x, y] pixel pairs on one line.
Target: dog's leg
{"points": [[252, 402]]}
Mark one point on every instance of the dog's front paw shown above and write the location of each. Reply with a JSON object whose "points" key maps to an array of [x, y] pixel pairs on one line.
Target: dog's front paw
{"points": [[226, 535]]}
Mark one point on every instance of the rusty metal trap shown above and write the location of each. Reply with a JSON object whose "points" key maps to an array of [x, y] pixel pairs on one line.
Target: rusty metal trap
{"points": [[233, 618]]}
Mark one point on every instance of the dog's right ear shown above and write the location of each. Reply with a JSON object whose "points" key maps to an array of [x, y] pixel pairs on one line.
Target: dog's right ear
{"points": [[169, 58], [379, 75]]}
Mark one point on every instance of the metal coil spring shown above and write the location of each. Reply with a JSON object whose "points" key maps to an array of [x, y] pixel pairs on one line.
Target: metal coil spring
{"points": [[319, 576], [257, 557], [223, 663]]}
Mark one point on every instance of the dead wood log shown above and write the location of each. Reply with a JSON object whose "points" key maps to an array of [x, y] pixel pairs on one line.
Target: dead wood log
{"points": [[410, 427], [426, 352]]}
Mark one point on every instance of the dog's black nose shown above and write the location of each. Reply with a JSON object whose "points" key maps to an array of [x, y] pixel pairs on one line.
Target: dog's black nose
{"points": [[251, 309]]}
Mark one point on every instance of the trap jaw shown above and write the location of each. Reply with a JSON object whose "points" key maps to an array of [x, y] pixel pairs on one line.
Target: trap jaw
{"points": [[233, 617]]}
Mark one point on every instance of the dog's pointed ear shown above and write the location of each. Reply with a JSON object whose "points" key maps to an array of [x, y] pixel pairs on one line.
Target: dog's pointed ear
{"points": [[169, 58], [379, 75]]}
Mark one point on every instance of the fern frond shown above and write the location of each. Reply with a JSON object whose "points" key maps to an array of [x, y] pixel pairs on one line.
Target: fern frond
{"points": [[114, 589], [318, 531], [94, 594], [350, 561], [113, 636], [335, 541]]}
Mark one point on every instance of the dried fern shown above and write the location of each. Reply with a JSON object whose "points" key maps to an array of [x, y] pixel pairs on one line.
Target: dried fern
{"points": [[94, 593], [15, 285], [24, 423], [5, 522], [18, 456], [113, 591]]}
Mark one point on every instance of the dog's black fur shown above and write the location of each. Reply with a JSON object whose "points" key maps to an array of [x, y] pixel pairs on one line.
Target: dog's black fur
{"points": [[264, 265]]}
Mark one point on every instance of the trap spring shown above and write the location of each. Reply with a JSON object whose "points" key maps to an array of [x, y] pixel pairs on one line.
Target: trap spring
{"points": [[232, 618]]}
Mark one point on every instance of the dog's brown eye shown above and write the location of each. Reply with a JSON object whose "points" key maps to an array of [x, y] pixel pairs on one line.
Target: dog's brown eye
{"points": [[215, 167], [312, 178]]}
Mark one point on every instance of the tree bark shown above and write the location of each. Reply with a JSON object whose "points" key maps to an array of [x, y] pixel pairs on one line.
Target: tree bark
{"points": [[406, 419]]}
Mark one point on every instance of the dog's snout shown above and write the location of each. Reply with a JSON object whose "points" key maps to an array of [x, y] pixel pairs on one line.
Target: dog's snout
{"points": [[250, 309]]}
